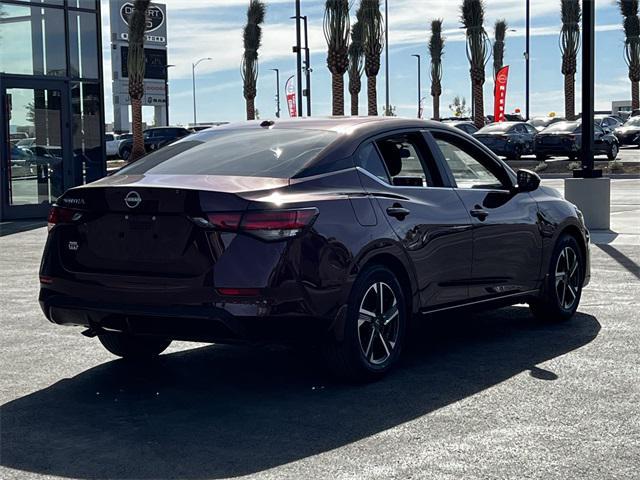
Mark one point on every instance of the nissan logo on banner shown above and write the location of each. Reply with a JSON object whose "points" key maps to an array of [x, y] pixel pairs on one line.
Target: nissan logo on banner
{"points": [[155, 16]]}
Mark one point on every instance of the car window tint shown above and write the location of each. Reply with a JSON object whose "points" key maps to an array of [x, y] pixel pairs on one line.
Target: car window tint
{"points": [[369, 159], [276, 153], [108, 138], [467, 170], [401, 155]]}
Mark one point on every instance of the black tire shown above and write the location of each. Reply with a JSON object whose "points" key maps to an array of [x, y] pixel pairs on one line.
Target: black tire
{"points": [[540, 157], [125, 153], [612, 152], [133, 347], [572, 157], [559, 300], [349, 359]]}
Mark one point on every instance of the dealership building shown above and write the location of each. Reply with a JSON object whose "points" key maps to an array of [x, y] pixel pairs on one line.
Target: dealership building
{"points": [[51, 101]]}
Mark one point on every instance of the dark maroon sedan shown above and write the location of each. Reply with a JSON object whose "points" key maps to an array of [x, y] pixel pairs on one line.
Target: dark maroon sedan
{"points": [[327, 231]]}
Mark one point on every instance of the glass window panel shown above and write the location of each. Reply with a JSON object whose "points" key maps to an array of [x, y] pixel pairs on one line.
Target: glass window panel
{"points": [[83, 45], [86, 4], [87, 131], [32, 40], [468, 172], [45, 2], [36, 174]]}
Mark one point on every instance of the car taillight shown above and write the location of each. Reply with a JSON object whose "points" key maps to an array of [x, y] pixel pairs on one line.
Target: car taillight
{"points": [[239, 292], [59, 215], [268, 225]]}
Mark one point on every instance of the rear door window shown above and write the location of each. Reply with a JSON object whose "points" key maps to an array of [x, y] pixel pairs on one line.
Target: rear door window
{"points": [[369, 159], [407, 162]]}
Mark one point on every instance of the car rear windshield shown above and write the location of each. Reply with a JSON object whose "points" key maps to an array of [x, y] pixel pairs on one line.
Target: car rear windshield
{"points": [[562, 127], [255, 153], [496, 127], [632, 122]]}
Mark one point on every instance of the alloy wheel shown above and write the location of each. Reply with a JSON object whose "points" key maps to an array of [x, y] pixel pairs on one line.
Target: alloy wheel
{"points": [[567, 278], [378, 323]]}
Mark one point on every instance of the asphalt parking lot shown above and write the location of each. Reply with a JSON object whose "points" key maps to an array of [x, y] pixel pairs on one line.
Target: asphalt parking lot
{"points": [[492, 395]]}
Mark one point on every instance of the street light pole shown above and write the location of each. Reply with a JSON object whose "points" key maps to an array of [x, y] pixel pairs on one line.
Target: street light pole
{"points": [[527, 55], [386, 55], [193, 78], [298, 50], [419, 82], [277, 91], [588, 79], [307, 65], [166, 92]]}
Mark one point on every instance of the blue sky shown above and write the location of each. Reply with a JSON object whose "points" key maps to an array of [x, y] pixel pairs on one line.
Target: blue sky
{"points": [[213, 28]]}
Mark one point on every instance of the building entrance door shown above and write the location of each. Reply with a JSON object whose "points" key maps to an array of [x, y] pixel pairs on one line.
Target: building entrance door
{"points": [[36, 158]]}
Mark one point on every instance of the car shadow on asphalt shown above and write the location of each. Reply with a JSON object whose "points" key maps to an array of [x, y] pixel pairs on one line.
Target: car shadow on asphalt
{"points": [[218, 412]]}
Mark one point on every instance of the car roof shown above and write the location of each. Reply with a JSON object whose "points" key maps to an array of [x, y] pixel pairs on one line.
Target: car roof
{"points": [[350, 131]]}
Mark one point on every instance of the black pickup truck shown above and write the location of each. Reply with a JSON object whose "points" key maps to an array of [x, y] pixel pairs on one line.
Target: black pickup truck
{"points": [[154, 139]]}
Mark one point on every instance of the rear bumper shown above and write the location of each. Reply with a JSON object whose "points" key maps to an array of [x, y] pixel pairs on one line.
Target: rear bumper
{"points": [[220, 323]]}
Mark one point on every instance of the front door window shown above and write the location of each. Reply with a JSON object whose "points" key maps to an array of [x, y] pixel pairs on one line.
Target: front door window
{"points": [[35, 171]]}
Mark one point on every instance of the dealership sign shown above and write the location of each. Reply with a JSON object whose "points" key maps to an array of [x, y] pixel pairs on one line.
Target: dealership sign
{"points": [[155, 16]]}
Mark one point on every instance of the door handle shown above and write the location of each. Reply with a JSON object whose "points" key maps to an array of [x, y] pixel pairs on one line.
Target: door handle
{"points": [[398, 211], [479, 213]]}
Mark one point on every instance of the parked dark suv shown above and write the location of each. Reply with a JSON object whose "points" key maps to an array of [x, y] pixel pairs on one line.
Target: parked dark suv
{"points": [[154, 139], [333, 232]]}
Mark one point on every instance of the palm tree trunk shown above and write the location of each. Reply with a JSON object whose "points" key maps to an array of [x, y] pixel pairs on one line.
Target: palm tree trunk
{"points": [[478, 100], [251, 108], [569, 96], [137, 149], [372, 95], [337, 86], [354, 105], [635, 95], [436, 107]]}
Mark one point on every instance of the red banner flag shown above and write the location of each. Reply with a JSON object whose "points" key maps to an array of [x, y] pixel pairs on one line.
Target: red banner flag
{"points": [[290, 90], [500, 94]]}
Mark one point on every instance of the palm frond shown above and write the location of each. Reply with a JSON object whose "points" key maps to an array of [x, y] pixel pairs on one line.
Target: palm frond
{"points": [[472, 18], [499, 45], [436, 41], [373, 34], [252, 39], [631, 24], [135, 58], [571, 14], [356, 51], [628, 8], [336, 33]]}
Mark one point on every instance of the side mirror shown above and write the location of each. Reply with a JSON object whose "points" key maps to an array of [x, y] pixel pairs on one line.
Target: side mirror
{"points": [[528, 181]]}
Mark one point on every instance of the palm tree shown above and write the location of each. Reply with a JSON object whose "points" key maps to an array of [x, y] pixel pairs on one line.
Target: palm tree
{"points": [[252, 37], [336, 32], [136, 69], [478, 53], [569, 46], [436, 50], [373, 34], [629, 9], [356, 66], [498, 46]]}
